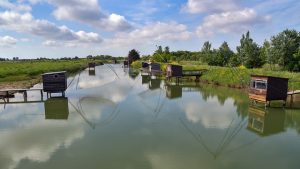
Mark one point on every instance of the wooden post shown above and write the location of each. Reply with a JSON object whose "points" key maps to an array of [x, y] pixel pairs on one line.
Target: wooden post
{"points": [[42, 96]]}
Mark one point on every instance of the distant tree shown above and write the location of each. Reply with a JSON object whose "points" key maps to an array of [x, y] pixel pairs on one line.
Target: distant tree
{"points": [[207, 52], [265, 53], [167, 50], [248, 52], [284, 46], [224, 54], [296, 63], [133, 55]]}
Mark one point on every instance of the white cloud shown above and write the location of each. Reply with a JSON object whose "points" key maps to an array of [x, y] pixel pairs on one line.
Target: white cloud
{"points": [[151, 33], [88, 12], [7, 41], [200, 6], [15, 7], [230, 22], [25, 23], [51, 43]]}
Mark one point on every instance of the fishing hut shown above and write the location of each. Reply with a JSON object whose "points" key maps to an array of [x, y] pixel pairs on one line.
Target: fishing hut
{"points": [[267, 88], [92, 65], [155, 68], [265, 123], [126, 64], [55, 82], [56, 109], [174, 71]]}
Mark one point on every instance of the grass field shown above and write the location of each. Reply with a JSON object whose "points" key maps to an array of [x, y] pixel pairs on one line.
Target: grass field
{"points": [[11, 71]]}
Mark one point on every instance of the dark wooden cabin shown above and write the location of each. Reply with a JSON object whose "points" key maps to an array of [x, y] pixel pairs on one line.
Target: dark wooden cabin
{"points": [[126, 63], [145, 65], [265, 123], [92, 65], [267, 88], [56, 109], [174, 71], [155, 68], [55, 82]]}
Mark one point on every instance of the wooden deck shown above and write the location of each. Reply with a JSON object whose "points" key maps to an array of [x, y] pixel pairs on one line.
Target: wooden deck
{"points": [[5, 94]]}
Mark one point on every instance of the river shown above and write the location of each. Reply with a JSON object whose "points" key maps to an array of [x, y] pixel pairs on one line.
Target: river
{"points": [[114, 118]]}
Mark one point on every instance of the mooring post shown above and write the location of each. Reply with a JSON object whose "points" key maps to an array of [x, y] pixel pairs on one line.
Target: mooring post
{"points": [[25, 96]]}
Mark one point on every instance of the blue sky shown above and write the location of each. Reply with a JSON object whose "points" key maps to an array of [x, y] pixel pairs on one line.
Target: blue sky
{"points": [[68, 28]]}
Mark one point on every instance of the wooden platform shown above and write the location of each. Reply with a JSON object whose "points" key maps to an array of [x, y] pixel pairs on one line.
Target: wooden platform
{"points": [[5, 94]]}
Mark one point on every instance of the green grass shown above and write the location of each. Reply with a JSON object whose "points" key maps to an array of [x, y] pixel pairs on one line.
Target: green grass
{"points": [[27, 70], [239, 77]]}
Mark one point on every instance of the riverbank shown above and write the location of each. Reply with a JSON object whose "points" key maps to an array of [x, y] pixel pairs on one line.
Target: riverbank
{"points": [[233, 77], [24, 74]]}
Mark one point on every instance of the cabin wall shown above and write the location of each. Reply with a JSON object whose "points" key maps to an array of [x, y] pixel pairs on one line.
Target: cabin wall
{"points": [[277, 89], [258, 94], [56, 82], [155, 67], [174, 71]]}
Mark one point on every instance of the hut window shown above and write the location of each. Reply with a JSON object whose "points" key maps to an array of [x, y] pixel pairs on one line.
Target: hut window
{"points": [[259, 84]]}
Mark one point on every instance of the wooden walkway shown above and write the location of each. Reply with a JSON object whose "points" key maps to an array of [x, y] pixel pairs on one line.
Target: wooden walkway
{"points": [[292, 94], [5, 94]]}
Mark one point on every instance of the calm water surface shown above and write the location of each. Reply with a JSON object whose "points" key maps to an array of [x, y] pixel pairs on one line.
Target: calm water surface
{"points": [[115, 119]]}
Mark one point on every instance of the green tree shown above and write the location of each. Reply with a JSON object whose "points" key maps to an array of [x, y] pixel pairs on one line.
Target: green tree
{"points": [[284, 46], [265, 53], [296, 63], [224, 54], [248, 52], [133, 55], [207, 52]]}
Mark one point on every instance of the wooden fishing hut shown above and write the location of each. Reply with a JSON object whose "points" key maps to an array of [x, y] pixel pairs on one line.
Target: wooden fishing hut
{"points": [[126, 64], [55, 82], [56, 108], [174, 71], [267, 88], [155, 68], [92, 65]]}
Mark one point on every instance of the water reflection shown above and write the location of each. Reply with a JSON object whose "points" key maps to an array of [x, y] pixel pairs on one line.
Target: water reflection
{"points": [[92, 72], [56, 108], [266, 122]]}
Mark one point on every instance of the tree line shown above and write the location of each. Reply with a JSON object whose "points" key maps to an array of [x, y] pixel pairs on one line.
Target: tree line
{"points": [[282, 49]]}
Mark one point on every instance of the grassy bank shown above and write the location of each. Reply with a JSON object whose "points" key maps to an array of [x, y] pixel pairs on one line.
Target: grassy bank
{"points": [[237, 77], [28, 72]]}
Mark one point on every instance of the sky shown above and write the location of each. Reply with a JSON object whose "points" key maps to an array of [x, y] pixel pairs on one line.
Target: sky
{"points": [[69, 28]]}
